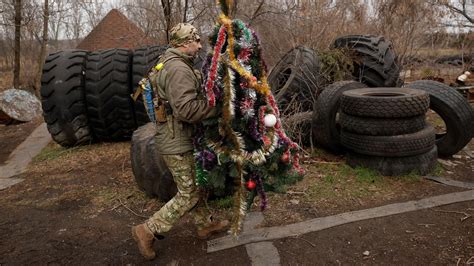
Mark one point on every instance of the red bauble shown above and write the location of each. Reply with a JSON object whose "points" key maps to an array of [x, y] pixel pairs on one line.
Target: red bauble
{"points": [[251, 185], [285, 157]]}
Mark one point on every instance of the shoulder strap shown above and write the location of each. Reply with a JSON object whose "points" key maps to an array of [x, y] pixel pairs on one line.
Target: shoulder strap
{"points": [[160, 65]]}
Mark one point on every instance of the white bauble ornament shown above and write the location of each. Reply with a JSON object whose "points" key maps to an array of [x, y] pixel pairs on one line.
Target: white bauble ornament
{"points": [[270, 120]]}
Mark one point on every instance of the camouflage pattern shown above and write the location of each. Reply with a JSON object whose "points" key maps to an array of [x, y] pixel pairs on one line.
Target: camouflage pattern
{"points": [[182, 34], [187, 199]]}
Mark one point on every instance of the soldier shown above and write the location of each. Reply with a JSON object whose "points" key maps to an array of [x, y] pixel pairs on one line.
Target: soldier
{"points": [[176, 84]]}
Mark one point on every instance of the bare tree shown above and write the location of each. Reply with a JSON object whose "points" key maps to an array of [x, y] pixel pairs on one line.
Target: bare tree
{"points": [[94, 9], [17, 49], [405, 23], [167, 14], [458, 8], [44, 43], [156, 18], [74, 26]]}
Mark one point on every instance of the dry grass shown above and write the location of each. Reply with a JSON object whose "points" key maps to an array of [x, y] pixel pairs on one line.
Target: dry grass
{"points": [[331, 186], [96, 175], [437, 52], [98, 178]]}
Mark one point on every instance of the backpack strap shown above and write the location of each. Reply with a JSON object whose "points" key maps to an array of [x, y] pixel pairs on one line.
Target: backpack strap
{"points": [[143, 82]]}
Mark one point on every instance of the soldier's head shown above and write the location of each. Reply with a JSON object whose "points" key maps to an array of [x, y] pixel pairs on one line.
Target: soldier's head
{"points": [[185, 37]]}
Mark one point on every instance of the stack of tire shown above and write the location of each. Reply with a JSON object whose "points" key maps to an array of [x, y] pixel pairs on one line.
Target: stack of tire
{"points": [[384, 129], [86, 95]]}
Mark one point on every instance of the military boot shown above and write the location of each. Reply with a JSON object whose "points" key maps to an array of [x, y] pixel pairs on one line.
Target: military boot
{"points": [[214, 227], [144, 238]]}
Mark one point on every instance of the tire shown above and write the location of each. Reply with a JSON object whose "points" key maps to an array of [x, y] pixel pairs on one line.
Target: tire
{"points": [[149, 169], [391, 146], [325, 128], [385, 102], [143, 60], [375, 62], [381, 126], [455, 111], [456, 60], [393, 166], [62, 98], [109, 105], [294, 80]]}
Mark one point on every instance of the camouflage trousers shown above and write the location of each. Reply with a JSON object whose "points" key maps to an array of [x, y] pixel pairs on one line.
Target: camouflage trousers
{"points": [[187, 199]]}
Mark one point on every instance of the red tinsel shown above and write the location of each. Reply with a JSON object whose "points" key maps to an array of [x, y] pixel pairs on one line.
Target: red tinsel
{"points": [[211, 97], [282, 135], [261, 118]]}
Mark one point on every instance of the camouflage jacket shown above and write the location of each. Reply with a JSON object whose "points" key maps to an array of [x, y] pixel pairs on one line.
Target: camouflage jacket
{"points": [[178, 83]]}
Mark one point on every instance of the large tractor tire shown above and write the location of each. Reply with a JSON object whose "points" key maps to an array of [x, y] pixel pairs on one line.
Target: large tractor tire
{"points": [[150, 170], [109, 105], [375, 62], [455, 111], [325, 126], [295, 80], [62, 98], [143, 60]]}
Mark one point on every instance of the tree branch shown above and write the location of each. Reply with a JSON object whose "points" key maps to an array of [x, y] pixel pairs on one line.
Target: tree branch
{"points": [[256, 14], [461, 11]]}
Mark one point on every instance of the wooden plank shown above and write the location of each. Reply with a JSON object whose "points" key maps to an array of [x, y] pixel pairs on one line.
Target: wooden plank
{"points": [[271, 233], [451, 182]]}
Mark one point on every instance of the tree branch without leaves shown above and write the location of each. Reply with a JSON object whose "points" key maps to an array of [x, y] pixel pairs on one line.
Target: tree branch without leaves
{"points": [[460, 9]]}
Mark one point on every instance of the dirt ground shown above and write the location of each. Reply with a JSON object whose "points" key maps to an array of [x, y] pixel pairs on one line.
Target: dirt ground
{"points": [[427, 237], [76, 206]]}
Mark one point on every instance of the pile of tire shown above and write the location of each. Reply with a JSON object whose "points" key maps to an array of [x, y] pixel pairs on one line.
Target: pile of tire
{"points": [[384, 129], [296, 76], [86, 95], [452, 108]]}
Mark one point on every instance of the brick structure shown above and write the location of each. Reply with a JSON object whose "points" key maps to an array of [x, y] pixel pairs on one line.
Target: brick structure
{"points": [[115, 30]]}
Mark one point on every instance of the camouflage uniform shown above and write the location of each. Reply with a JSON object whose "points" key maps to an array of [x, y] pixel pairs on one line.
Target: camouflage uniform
{"points": [[187, 199], [177, 83]]}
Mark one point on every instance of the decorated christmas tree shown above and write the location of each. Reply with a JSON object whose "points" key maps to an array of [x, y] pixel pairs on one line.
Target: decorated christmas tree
{"points": [[245, 144]]}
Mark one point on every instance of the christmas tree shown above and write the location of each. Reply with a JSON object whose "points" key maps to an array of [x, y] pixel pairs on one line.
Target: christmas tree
{"points": [[245, 144]]}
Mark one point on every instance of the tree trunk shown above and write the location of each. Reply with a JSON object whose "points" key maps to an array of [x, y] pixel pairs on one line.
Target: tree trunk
{"points": [[44, 43], [167, 12], [16, 69], [185, 11]]}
